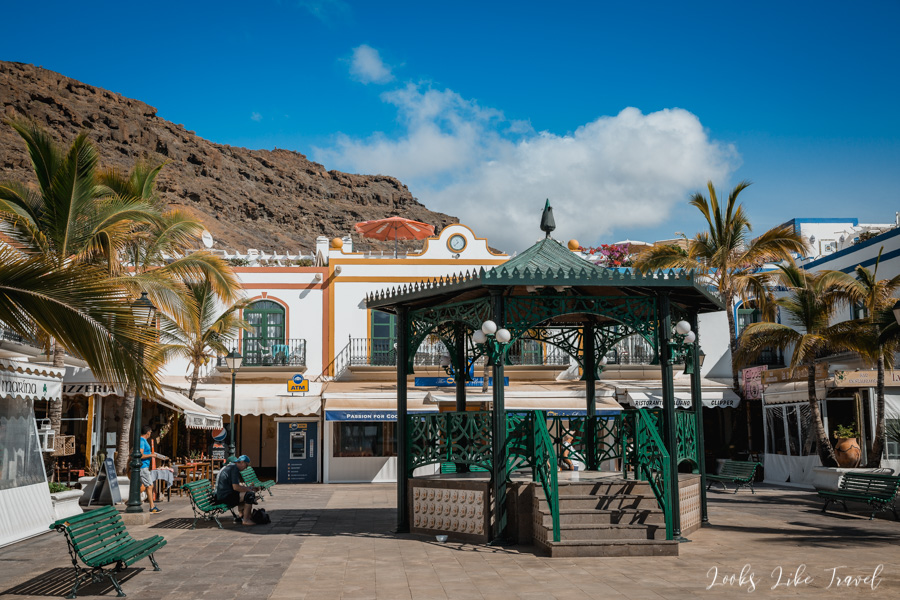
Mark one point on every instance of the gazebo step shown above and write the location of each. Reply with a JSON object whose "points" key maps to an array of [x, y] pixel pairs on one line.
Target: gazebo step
{"points": [[618, 501], [596, 532], [583, 516], [585, 548], [606, 487]]}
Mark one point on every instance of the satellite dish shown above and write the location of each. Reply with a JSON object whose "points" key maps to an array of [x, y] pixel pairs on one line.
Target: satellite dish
{"points": [[207, 239]]}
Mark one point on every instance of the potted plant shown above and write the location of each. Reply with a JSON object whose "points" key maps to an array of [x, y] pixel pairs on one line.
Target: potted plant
{"points": [[64, 500], [847, 449]]}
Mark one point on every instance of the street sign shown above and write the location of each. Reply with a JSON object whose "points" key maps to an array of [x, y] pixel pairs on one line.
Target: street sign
{"points": [[303, 386]]}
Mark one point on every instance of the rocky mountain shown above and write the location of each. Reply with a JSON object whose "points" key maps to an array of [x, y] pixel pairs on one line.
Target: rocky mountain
{"points": [[274, 200]]}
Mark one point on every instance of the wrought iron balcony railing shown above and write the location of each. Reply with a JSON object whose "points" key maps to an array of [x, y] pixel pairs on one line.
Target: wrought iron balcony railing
{"points": [[290, 353], [369, 352]]}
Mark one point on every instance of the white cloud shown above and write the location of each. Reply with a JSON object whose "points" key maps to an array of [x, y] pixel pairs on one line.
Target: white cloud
{"points": [[255, 116], [626, 170], [366, 66]]}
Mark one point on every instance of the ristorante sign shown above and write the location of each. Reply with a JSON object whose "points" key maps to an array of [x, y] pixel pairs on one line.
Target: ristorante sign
{"points": [[865, 378]]}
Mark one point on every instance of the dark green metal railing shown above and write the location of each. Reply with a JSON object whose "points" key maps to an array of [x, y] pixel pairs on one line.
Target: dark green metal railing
{"points": [[634, 436], [645, 452], [450, 437], [607, 444]]}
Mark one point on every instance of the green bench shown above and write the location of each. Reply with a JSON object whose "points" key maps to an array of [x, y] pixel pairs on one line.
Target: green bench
{"points": [[203, 501], [98, 539], [250, 478], [738, 472], [876, 490]]}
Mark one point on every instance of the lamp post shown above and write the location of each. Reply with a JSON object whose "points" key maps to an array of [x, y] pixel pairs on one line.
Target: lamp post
{"points": [[496, 342], [144, 313], [233, 361]]}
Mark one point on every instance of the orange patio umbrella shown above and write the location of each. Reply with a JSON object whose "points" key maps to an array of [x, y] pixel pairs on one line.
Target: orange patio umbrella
{"points": [[395, 228]]}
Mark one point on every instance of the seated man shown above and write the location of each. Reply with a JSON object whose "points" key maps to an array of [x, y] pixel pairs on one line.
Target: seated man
{"points": [[230, 488]]}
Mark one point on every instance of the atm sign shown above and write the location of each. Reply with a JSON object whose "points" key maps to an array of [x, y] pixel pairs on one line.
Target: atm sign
{"points": [[303, 386]]}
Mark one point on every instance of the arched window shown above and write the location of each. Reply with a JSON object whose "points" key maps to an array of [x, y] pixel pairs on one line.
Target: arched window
{"points": [[267, 321]]}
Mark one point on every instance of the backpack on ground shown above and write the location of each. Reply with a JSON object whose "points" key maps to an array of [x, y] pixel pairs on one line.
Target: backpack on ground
{"points": [[260, 516]]}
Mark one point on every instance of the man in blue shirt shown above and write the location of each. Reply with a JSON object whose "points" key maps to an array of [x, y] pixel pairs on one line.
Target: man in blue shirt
{"points": [[146, 454], [231, 489]]}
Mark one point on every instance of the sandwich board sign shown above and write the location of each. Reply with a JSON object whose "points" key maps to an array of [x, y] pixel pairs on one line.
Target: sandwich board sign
{"points": [[106, 485]]}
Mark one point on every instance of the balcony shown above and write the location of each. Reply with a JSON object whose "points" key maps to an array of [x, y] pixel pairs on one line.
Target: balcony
{"points": [[291, 353], [383, 353]]}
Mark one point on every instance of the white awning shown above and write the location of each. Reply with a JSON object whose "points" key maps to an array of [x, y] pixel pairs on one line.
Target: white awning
{"points": [[654, 399], [791, 392], [29, 381], [195, 417], [259, 399], [80, 381]]}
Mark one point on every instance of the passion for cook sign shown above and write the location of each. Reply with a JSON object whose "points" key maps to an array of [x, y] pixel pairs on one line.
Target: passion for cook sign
{"points": [[865, 378]]}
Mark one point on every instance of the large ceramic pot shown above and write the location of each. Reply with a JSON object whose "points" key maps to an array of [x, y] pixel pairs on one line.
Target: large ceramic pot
{"points": [[848, 453]]}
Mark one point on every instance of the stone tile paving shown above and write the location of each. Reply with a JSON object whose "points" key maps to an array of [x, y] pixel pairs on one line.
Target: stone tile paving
{"points": [[336, 542]]}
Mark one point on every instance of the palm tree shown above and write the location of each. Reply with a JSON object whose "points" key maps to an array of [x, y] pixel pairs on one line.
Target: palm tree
{"points": [[873, 337], [85, 312], [160, 257], [724, 253], [69, 218], [812, 299], [204, 335]]}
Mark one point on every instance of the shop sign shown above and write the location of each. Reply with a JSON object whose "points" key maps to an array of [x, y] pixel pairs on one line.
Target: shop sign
{"points": [[27, 386], [753, 382], [793, 374], [298, 384], [865, 378], [451, 382]]}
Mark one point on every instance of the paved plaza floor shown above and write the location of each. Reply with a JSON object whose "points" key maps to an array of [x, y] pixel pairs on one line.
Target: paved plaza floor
{"points": [[335, 541]]}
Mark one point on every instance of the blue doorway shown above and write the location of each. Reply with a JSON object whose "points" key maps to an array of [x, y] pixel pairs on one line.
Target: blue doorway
{"points": [[298, 444]]}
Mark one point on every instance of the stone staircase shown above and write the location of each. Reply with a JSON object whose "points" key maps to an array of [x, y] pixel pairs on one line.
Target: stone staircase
{"points": [[610, 517]]}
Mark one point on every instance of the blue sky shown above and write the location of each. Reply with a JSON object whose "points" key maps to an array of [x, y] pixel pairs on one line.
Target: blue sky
{"points": [[616, 111]]}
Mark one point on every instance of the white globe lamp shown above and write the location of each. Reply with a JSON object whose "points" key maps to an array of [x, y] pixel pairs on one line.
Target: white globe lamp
{"points": [[503, 336], [682, 327], [489, 327]]}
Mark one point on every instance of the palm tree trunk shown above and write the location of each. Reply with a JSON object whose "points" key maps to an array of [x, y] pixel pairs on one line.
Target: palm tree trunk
{"points": [[874, 459], [733, 344], [194, 377], [823, 444], [123, 445]]}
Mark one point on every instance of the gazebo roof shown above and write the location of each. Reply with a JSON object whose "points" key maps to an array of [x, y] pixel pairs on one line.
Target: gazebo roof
{"points": [[548, 265], [547, 257]]}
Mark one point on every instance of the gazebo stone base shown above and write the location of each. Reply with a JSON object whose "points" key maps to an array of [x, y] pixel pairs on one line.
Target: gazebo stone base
{"points": [[453, 505]]}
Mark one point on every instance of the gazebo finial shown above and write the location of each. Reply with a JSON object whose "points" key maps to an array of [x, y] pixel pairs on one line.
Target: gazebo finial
{"points": [[547, 222]]}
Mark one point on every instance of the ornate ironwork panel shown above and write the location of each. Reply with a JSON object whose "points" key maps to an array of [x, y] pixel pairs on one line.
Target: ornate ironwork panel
{"points": [[686, 432], [457, 437], [648, 457]]}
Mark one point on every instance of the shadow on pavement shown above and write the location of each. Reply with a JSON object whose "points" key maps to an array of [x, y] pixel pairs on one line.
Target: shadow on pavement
{"points": [[59, 582], [178, 524]]}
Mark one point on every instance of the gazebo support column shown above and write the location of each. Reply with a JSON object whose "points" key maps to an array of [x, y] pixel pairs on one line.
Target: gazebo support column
{"points": [[460, 364], [668, 389], [697, 403], [589, 360], [402, 450], [498, 437]]}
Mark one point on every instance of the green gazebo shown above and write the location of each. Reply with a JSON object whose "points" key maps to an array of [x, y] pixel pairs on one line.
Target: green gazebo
{"points": [[550, 294]]}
